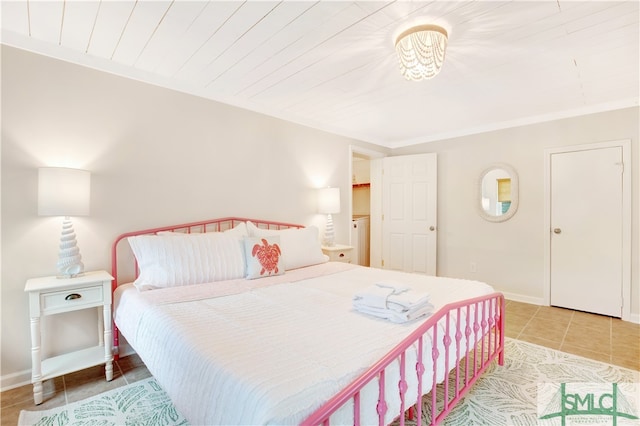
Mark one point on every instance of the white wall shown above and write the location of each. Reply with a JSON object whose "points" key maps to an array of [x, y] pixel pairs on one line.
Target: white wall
{"points": [[510, 255], [157, 157]]}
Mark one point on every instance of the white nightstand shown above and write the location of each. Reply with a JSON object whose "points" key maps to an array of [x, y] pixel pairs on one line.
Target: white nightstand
{"points": [[338, 253], [51, 295]]}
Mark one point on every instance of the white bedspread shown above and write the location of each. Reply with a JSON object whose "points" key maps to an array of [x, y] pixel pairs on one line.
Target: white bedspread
{"points": [[272, 350]]}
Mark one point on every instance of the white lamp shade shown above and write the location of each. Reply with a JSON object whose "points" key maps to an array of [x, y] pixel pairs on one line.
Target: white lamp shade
{"points": [[63, 192], [329, 200]]}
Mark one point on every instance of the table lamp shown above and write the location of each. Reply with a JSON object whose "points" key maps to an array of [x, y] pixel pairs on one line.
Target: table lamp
{"points": [[65, 192], [329, 203]]}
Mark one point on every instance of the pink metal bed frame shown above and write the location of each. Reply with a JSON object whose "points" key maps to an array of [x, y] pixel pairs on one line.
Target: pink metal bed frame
{"points": [[478, 340]]}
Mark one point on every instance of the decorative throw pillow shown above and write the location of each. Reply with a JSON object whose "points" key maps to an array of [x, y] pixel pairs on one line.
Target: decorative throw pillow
{"points": [[301, 245], [263, 257]]}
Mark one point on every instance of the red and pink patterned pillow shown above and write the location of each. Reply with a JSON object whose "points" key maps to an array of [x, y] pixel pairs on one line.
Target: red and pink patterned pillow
{"points": [[301, 247], [263, 256]]}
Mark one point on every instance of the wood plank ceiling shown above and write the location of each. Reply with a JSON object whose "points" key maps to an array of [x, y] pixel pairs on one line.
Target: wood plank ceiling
{"points": [[332, 64]]}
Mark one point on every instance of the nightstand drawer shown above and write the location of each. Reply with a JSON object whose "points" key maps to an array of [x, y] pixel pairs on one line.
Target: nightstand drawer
{"points": [[338, 253], [76, 298], [341, 256]]}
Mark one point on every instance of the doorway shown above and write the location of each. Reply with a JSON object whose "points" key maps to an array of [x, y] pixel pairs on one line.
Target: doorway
{"points": [[588, 213], [361, 209], [365, 205]]}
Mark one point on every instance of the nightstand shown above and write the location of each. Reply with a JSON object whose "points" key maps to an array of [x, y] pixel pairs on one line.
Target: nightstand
{"points": [[51, 295], [338, 253]]}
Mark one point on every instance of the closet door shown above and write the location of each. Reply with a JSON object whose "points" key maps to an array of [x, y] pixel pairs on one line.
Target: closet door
{"points": [[409, 204], [587, 230]]}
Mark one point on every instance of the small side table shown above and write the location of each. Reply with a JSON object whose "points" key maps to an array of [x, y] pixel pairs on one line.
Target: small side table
{"points": [[338, 253], [51, 295]]}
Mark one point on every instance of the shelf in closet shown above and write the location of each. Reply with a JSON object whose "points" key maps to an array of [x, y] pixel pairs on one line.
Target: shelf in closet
{"points": [[361, 185]]}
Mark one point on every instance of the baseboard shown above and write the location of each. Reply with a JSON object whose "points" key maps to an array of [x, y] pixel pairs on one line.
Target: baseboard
{"points": [[125, 350], [524, 299], [15, 380]]}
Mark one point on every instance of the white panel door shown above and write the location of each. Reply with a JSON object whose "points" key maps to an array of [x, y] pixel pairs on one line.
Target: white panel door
{"points": [[587, 230], [409, 200]]}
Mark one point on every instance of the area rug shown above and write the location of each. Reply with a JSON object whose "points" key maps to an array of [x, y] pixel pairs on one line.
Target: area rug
{"points": [[521, 392], [140, 403], [505, 395]]}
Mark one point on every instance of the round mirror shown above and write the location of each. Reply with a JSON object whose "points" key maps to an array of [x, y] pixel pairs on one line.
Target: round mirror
{"points": [[498, 193]]}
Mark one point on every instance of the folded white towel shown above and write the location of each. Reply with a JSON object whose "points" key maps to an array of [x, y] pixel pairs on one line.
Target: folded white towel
{"points": [[387, 295], [375, 295], [397, 316], [393, 301]]}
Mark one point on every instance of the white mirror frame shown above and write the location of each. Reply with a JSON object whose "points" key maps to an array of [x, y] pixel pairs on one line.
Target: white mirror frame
{"points": [[514, 194]]}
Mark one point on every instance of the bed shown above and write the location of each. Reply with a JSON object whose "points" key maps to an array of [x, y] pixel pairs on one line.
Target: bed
{"points": [[234, 341]]}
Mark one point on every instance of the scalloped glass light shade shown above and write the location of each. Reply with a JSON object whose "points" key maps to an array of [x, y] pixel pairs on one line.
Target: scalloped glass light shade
{"points": [[421, 51]]}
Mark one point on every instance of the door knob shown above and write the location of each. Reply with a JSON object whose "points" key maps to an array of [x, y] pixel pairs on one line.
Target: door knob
{"points": [[432, 228], [557, 230]]}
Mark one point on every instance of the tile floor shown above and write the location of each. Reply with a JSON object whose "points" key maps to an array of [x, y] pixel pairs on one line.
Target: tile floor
{"points": [[592, 336], [70, 388]]}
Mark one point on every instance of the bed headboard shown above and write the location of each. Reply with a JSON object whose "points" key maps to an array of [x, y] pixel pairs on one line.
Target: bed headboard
{"points": [[123, 264]]}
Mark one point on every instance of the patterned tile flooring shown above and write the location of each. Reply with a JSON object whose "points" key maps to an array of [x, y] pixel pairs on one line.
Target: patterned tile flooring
{"points": [[591, 336]]}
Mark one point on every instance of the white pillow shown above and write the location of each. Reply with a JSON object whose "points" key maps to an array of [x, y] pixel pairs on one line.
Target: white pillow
{"points": [[184, 259], [300, 246], [240, 230], [263, 257]]}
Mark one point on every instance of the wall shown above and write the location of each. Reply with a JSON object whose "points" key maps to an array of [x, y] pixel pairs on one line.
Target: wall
{"points": [[157, 157], [510, 255]]}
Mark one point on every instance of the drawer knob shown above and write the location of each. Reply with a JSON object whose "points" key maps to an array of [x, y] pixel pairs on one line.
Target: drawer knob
{"points": [[341, 255], [73, 296]]}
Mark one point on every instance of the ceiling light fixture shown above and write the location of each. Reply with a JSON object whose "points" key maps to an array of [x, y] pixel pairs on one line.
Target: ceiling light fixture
{"points": [[421, 51]]}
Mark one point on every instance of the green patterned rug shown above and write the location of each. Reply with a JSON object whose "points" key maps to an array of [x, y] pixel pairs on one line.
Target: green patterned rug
{"points": [[140, 403], [505, 395]]}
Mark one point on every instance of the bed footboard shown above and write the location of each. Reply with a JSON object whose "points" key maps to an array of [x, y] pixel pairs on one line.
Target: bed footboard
{"points": [[456, 345]]}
